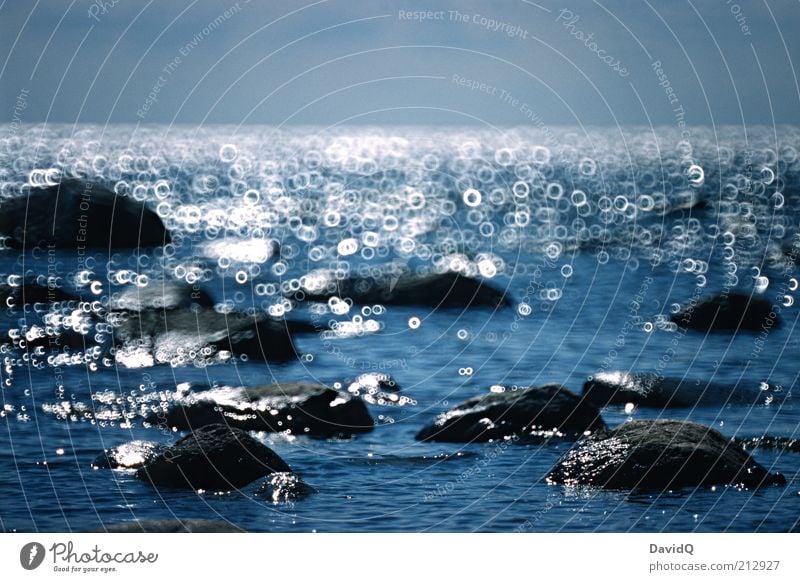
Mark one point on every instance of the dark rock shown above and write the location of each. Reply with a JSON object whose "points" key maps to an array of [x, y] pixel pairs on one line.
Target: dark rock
{"points": [[550, 410], [215, 457], [33, 290], [159, 295], [181, 334], [284, 488], [435, 290], [300, 409], [172, 526], [130, 455], [376, 381], [652, 390], [732, 312], [78, 213], [380, 389], [661, 455]]}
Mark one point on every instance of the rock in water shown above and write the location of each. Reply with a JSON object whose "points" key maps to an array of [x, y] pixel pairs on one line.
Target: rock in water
{"points": [[550, 410], [652, 390], [660, 455], [31, 290], [130, 455], [78, 213], [300, 409], [436, 290], [284, 488], [159, 295], [173, 335], [731, 312], [215, 457], [172, 526]]}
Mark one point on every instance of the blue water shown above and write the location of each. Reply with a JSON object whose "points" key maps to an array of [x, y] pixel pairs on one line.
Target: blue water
{"points": [[576, 224]]}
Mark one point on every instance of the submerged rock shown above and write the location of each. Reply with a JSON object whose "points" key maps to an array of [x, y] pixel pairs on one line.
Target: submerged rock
{"points": [[661, 455], [159, 295], [215, 457], [77, 213], [731, 312], [182, 335], [130, 455], [296, 408], [435, 290], [172, 526], [550, 410], [284, 488], [652, 390]]}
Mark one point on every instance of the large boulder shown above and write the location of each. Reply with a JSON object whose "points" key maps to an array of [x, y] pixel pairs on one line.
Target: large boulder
{"points": [[550, 410], [435, 290], [653, 390], [172, 526], [295, 408], [728, 312], [130, 455], [661, 455], [77, 213], [215, 457], [180, 335]]}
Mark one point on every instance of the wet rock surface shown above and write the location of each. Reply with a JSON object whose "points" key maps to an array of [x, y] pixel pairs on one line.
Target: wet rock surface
{"points": [[300, 409], [435, 290], [660, 455], [550, 410], [214, 457], [187, 334], [130, 455], [77, 213], [652, 390], [731, 312]]}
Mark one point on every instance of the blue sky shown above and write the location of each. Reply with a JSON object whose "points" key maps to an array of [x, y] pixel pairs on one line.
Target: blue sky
{"points": [[506, 62]]}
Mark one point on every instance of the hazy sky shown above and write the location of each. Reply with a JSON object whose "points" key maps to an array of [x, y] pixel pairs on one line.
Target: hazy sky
{"points": [[337, 61]]}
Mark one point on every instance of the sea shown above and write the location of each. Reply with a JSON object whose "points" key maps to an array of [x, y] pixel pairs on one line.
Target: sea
{"points": [[596, 234]]}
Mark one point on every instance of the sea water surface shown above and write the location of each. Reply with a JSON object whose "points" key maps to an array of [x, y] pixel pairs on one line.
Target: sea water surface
{"points": [[598, 235]]}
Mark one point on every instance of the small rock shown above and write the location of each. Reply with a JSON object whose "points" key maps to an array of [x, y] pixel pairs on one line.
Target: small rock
{"points": [[436, 290], [732, 312], [296, 408], [284, 488], [653, 390], [213, 457], [660, 455], [550, 410], [179, 336]]}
